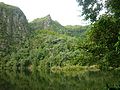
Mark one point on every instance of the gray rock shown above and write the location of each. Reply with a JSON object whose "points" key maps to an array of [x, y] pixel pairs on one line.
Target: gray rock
{"points": [[47, 22], [13, 28], [41, 23]]}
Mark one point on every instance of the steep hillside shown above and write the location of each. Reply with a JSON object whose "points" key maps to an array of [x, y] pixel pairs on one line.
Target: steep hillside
{"points": [[47, 49], [13, 29], [48, 23]]}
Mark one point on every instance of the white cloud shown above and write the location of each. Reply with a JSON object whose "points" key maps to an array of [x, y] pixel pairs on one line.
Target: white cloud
{"points": [[64, 11]]}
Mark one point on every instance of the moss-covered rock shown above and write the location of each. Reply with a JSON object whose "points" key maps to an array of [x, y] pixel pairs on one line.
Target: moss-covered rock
{"points": [[13, 28]]}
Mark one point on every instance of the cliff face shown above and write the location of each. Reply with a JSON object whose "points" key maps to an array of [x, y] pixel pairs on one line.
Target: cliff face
{"points": [[41, 23], [13, 28], [46, 23]]}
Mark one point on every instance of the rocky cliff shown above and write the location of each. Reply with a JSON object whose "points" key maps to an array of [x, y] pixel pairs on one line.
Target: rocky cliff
{"points": [[46, 23], [41, 23], [13, 28]]}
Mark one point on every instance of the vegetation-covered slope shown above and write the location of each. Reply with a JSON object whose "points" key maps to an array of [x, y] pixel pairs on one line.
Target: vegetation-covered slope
{"points": [[49, 24], [13, 30], [77, 30], [46, 23], [49, 44], [47, 48]]}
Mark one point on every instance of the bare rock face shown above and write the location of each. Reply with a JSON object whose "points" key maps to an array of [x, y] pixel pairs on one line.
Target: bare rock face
{"points": [[41, 23], [47, 22], [13, 28]]}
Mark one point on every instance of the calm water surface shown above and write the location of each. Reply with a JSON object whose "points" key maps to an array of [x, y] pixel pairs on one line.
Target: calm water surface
{"points": [[10, 80]]}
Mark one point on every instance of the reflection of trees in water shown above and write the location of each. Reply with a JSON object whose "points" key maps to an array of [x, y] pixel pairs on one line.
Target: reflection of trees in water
{"points": [[48, 81]]}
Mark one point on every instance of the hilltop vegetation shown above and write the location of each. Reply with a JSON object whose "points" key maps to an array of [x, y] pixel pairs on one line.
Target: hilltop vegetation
{"points": [[77, 30], [48, 24]]}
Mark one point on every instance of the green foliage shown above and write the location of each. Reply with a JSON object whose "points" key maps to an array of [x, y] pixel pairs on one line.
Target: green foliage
{"points": [[47, 23], [58, 49], [49, 44], [90, 8], [105, 31], [77, 30], [47, 48], [113, 7], [103, 42], [13, 32]]}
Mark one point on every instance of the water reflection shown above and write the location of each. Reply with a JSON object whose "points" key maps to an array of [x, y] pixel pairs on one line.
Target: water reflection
{"points": [[10, 80]]}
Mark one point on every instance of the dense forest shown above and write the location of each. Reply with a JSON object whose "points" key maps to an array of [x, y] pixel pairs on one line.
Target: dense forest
{"points": [[44, 44]]}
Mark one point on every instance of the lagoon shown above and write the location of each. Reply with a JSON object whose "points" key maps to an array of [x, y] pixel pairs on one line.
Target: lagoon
{"points": [[26, 80]]}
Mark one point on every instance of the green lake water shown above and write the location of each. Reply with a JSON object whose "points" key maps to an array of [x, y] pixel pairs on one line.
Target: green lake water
{"points": [[11, 80]]}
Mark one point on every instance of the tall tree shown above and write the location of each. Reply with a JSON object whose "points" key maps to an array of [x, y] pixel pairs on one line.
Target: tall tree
{"points": [[92, 8], [105, 31]]}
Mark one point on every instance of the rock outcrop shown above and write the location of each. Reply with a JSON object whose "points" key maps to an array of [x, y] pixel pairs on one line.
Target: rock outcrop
{"points": [[41, 23], [13, 28], [46, 23]]}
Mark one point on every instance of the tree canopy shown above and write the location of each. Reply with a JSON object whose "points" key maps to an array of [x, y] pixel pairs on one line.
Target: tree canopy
{"points": [[92, 8], [105, 31]]}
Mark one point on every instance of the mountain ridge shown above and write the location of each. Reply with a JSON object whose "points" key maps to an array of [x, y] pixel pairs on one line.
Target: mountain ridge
{"points": [[46, 23]]}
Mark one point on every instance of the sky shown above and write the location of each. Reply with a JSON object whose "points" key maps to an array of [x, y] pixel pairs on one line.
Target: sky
{"points": [[65, 12]]}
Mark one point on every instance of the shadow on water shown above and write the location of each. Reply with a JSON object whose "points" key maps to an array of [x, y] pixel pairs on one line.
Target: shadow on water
{"points": [[26, 80]]}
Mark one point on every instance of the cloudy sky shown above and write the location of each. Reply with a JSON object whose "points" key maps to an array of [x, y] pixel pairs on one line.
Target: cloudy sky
{"points": [[64, 11]]}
